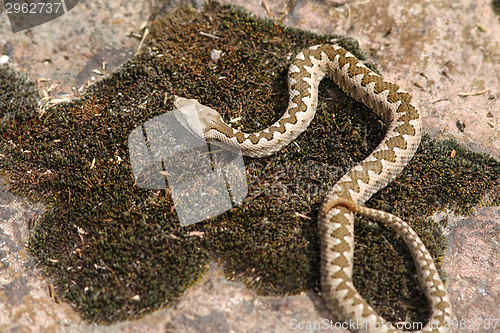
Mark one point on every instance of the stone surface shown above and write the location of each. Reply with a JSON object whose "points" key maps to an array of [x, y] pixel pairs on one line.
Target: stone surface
{"points": [[434, 49]]}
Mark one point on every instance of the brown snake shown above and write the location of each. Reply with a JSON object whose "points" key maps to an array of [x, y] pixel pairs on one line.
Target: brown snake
{"points": [[336, 218]]}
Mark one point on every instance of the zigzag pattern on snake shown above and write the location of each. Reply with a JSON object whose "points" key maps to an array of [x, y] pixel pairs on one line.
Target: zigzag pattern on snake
{"points": [[336, 218]]}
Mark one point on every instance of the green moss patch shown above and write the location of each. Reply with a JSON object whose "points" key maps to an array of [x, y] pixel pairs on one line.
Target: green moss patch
{"points": [[116, 251], [18, 95]]}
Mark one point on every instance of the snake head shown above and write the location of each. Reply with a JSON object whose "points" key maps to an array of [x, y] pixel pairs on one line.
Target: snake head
{"points": [[195, 117]]}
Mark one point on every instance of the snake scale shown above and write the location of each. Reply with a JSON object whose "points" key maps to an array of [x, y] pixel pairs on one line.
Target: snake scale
{"points": [[336, 217]]}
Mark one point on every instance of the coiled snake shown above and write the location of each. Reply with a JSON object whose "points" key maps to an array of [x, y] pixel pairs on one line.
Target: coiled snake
{"points": [[336, 218]]}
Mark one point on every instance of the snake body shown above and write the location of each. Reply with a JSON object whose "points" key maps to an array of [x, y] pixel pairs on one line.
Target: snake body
{"points": [[336, 218]]}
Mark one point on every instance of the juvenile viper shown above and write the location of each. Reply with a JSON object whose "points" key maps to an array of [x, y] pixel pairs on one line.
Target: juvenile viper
{"points": [[336, 218]]}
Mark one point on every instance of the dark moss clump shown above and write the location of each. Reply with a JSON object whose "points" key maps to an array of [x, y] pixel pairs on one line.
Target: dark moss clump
{"points": [[496, 6], [117, 251], [18, 95]]}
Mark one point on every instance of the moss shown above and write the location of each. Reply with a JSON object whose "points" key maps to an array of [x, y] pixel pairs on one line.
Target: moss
{"points": [[18, 95], [106, 241], [496, 6]]}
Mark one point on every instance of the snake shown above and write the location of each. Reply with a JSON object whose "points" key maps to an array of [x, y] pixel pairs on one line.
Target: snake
{"points": [[346, 197]]}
